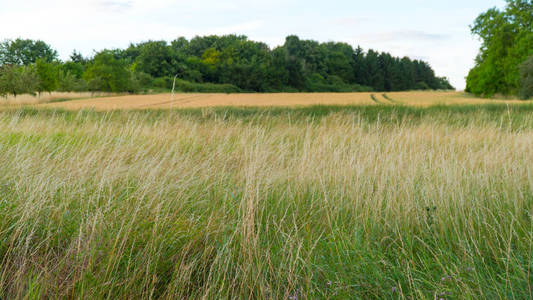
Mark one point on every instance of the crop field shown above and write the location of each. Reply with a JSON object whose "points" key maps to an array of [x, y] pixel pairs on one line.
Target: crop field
{"points": [[162, 101], [26, 99], [316, 202]]}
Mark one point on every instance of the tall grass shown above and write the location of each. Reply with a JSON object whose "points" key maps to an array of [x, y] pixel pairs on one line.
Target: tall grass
{"points": [[320, 202]]}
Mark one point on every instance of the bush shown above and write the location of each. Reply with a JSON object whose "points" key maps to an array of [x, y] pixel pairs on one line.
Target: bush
{"points": [[68, 82], [144, 80], [160, 83], [186, 86], [317, 83], [140, 82], [422, 86]]}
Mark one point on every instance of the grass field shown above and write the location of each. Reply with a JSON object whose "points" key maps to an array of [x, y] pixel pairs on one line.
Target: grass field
{"points": [[317, 202], [163, 101]]}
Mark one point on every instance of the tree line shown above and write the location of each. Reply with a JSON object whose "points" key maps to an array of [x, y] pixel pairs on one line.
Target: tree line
{"points": [[505, 61], [230, 63]]}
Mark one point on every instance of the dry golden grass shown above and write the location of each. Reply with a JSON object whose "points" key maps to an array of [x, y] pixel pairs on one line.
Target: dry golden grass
{"points": [[48, 97], [207, 100], [162, 101]]}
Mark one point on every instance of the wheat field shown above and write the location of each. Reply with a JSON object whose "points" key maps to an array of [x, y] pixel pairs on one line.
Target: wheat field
{"points": [[163, 101], [321, 202], [44, 97]]}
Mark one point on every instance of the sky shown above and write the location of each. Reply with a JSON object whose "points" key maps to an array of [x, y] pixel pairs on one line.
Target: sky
{"points": [[435, 31]]}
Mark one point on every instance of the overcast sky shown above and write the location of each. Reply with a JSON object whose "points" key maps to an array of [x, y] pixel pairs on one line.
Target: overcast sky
{"points": [[435, 31]]}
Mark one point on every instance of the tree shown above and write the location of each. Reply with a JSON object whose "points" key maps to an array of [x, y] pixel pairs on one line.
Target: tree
{"points": [[3, 87], [526, 78], [16, 80], [233, 60], [155, 58], [25, 52], [69, 82], [47, 74], [77, 57], [108, 74], [507, 40]]}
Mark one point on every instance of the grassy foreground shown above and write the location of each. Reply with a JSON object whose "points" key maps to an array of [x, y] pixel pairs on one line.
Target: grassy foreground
{"points": [[304, 203]]}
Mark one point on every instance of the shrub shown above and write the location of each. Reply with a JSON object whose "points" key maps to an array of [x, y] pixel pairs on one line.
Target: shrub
{"points": [[68, 82], [186, 86], [422, 86], [333, 83]]}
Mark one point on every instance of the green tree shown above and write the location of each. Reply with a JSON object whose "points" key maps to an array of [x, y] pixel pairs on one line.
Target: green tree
{"points": [[526, 78], [507, 40], [47, 73], [16, 80], [69, 82], [107, 73], [25, 52], [155, 58]]}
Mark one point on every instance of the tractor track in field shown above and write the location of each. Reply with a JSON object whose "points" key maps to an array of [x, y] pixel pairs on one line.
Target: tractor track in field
{"points": [[390, 99], [373, 97], [378, 101], [177, 101]]}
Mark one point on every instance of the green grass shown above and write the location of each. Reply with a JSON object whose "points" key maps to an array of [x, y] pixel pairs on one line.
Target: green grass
{"points": [[322, 202]]}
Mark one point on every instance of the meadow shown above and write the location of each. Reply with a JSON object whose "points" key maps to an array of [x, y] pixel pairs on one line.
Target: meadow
{"points": [[367, 201]]}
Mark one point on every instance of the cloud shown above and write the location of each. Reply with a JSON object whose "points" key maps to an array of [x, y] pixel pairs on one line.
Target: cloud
{"points": [[419, 57], [349, 21], [114, 5], [237, 28], [405, 35]]}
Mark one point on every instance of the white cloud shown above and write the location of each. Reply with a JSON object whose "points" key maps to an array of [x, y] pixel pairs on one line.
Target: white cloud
{"points": [[403, 36], [114, 6], [350, 21]]}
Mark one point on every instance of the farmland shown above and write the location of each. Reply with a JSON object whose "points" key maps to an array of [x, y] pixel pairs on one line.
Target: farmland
{"points": [[163, 101], [239, 196]]}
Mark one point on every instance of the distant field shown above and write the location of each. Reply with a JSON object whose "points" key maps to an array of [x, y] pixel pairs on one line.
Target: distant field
{"points": [[162, 101], [26, 99]]}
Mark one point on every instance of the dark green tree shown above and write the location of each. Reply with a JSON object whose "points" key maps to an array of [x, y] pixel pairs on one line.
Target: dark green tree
{"points": [[526, 78]]}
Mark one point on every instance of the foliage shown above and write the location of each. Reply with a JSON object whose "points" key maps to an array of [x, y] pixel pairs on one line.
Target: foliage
{"points": [[47, 74], [109, 74], [16, 80], [229, 64], [68, 82], [507, 40], [186, 86], [301, 65], [25, 52], [526, 78]]}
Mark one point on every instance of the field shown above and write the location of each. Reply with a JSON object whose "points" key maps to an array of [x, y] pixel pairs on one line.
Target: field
{"points": [[48, 97], [162, 101], [307, 202]]}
